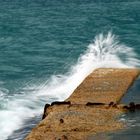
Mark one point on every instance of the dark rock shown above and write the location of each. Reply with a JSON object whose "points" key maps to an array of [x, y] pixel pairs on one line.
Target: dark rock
{"points": [[45, 108], [90, 104], [114, 105], [126, 107], [61, 121], [111, 104], [60, 103]]}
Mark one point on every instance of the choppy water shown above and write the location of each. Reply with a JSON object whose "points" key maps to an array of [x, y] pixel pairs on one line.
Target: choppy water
{"points": [[47, 47]]}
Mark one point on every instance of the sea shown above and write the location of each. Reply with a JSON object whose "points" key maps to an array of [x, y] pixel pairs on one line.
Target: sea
{"points": [[48, 47]]}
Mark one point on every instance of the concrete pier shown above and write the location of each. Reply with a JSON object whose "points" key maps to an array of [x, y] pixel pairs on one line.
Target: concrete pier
{"points": [[104, 85], [92, 108]]}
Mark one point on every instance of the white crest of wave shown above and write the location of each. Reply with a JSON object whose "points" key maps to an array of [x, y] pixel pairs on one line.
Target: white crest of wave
{"points": [[105, 52]]}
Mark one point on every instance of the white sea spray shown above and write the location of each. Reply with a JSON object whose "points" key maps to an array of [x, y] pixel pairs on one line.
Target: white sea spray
{"points": [[104, 52]]}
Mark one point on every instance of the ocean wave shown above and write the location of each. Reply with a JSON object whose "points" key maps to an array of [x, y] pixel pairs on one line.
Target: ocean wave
{"points": [[105, 51]]}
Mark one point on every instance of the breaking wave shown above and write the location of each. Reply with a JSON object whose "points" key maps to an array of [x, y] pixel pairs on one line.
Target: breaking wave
{"points": [[105, 51]]}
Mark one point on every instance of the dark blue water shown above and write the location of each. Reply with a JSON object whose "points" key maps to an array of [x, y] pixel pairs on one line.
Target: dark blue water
{"points": [[44, 53]]}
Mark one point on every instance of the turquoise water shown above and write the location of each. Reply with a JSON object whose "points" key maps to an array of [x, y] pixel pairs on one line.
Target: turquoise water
{"points": [[45, 52]]}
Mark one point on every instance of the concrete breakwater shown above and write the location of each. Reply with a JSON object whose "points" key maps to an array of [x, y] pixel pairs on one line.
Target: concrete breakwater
{"points": [[92, 108]]}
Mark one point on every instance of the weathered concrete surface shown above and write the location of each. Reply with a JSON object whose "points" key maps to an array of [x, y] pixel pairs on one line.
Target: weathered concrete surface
{"points": [[104, 85], [78, 121]]}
